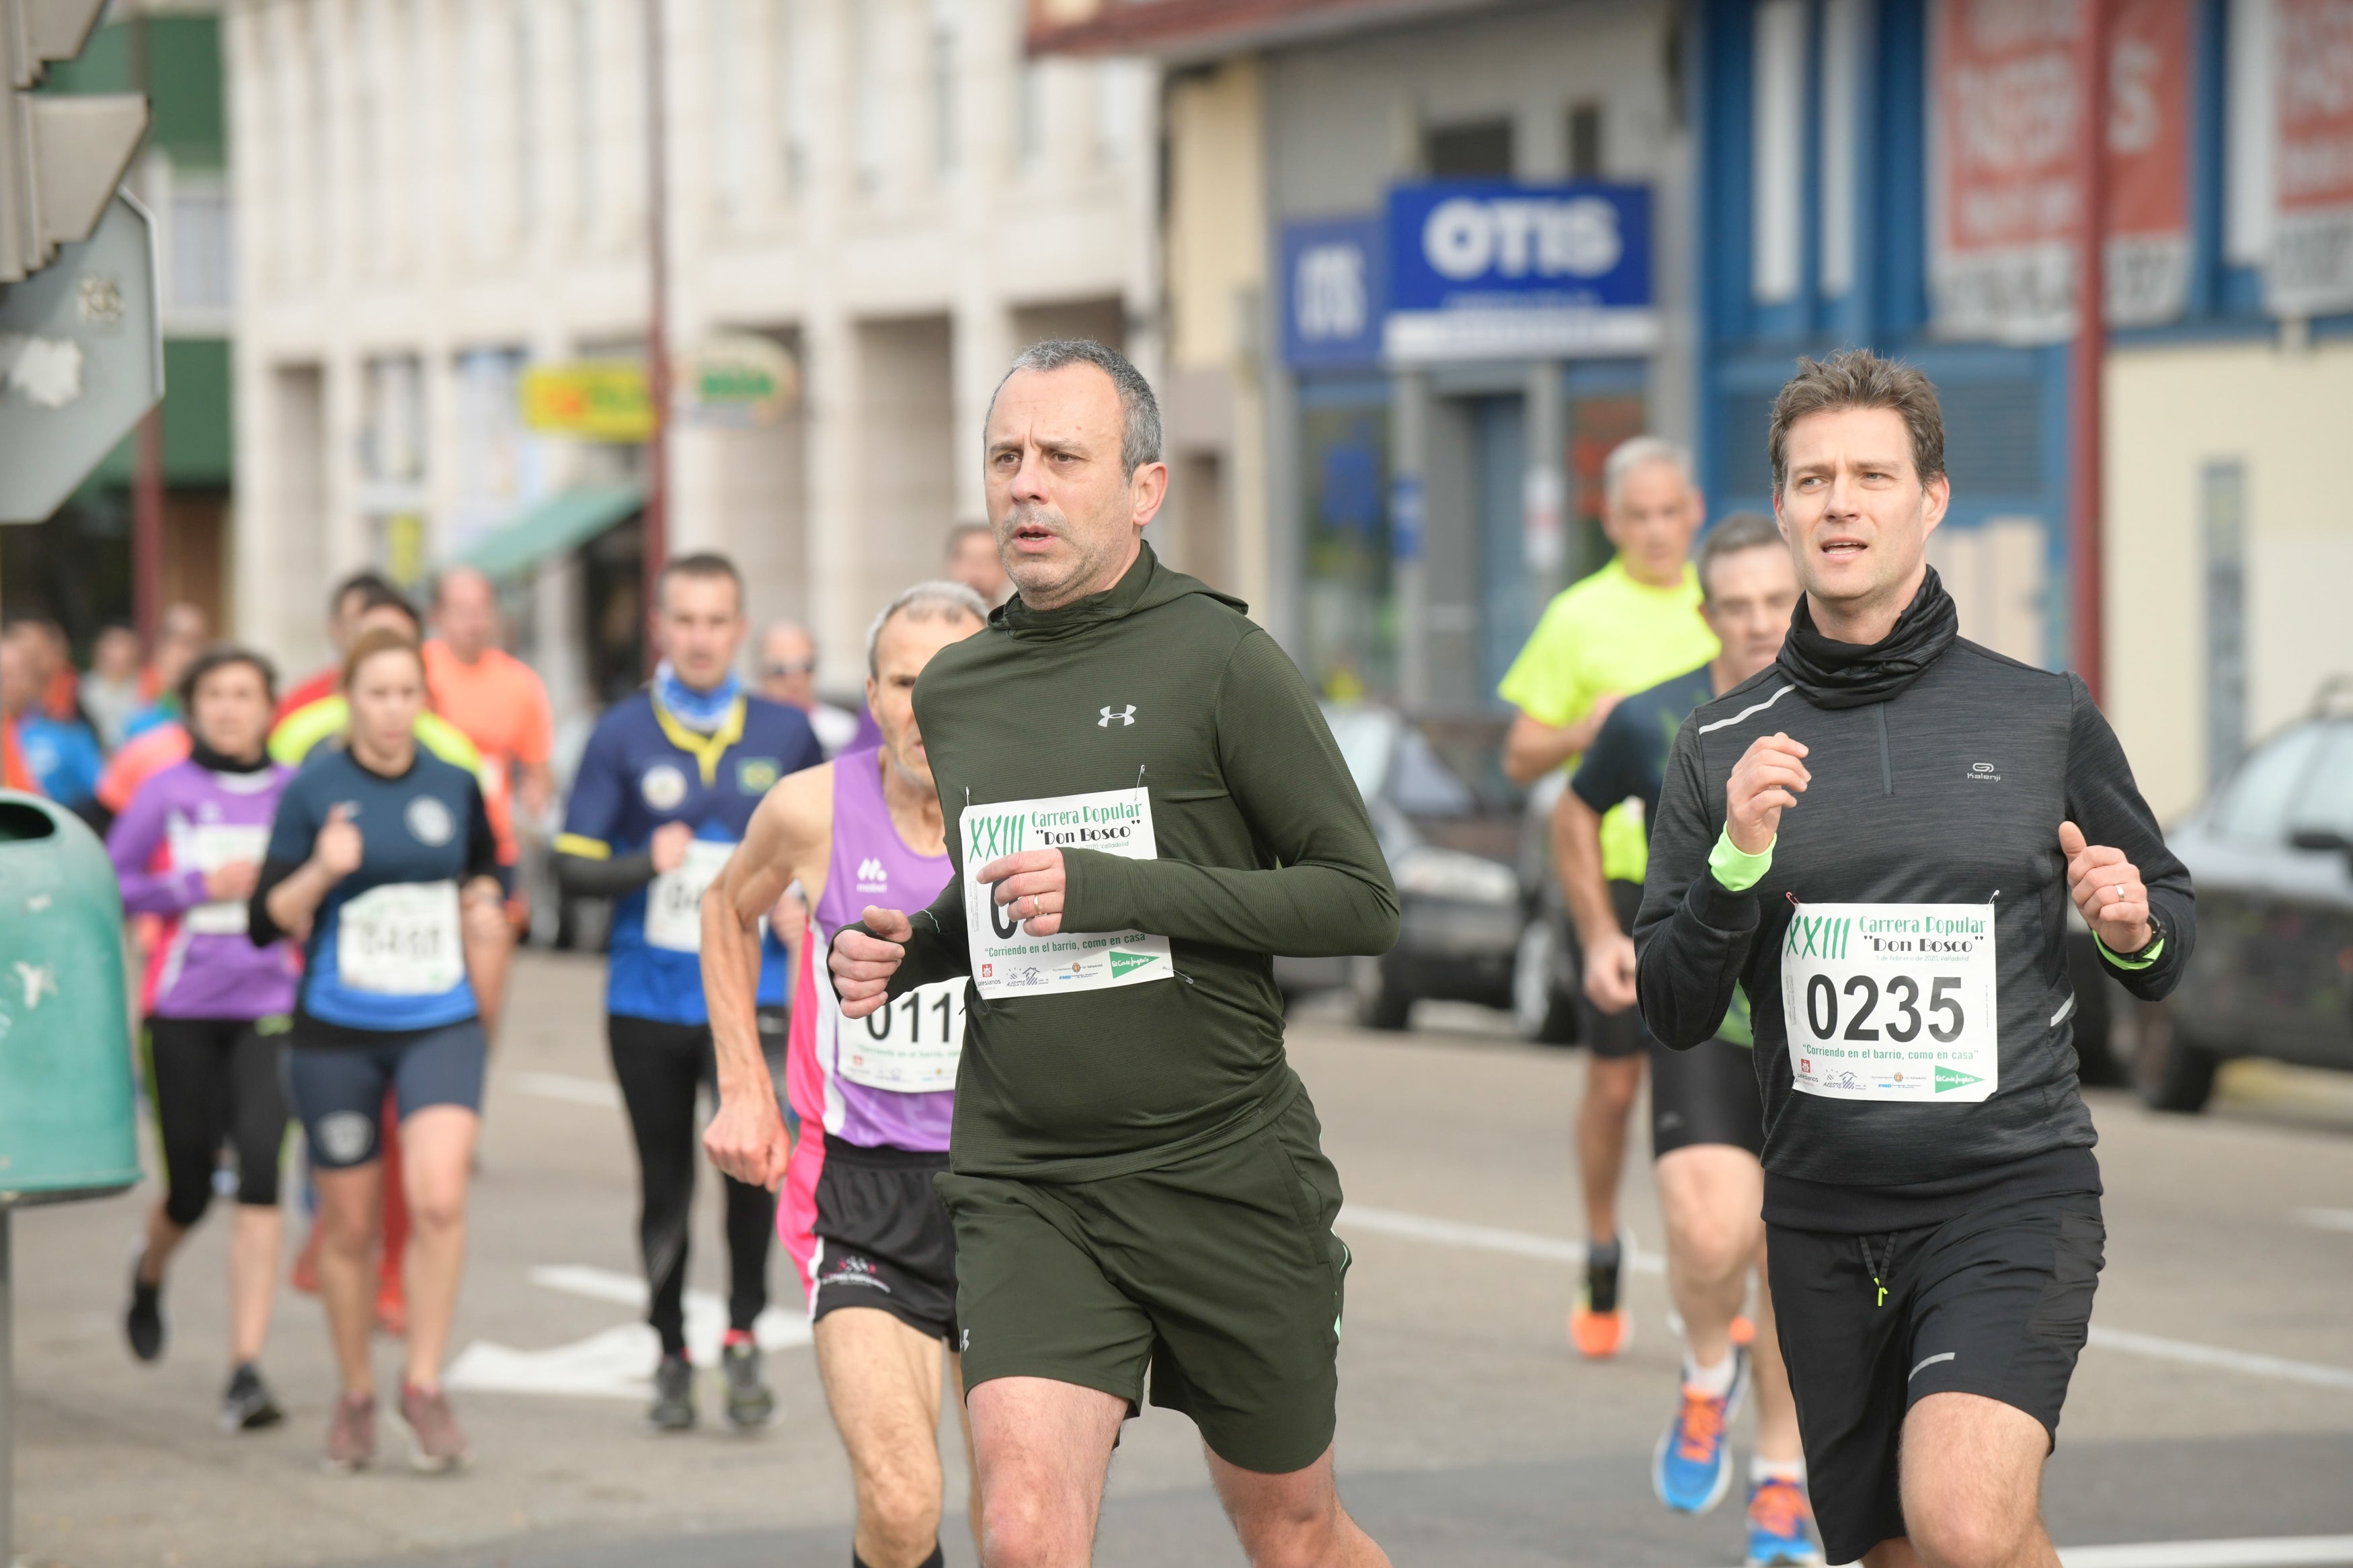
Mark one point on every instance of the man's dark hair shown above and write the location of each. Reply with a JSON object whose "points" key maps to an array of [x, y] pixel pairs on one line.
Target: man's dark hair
{"points": [[1733, 532], [220, 656], [380, 594], [704, 563], [1139, 440], [370, 583], [1857, 378]]}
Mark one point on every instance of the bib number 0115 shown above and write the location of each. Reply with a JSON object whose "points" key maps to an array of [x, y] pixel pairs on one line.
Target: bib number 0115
{"points": [[1892, 1002]]}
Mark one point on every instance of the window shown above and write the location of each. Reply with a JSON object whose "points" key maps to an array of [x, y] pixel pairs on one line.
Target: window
{"points": [[1841, 128], [869, 112], [1119, 105], [322, 134], [1031, 113], [476, 95], [1477, 150], [945, 106], [792, 92], [1585, 142], [526, 119], [726, 59], [367, 131], [2327, 804], [198, 276], [2248, 136], [2254, 810], [1777, 140]]}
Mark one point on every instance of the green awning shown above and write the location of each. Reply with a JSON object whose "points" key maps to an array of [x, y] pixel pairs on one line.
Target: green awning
{"points": [[563, 522]]}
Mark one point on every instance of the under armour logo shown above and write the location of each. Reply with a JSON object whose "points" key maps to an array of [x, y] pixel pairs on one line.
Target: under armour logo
{"points": [[1126, 718], [871, 873]]}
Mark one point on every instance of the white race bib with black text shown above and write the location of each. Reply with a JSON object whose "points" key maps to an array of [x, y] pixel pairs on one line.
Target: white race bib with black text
{"points": [[1892, 1002]]}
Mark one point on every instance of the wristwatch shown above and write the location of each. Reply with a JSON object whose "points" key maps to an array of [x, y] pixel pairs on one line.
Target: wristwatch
{"points": [[2156, 935]]}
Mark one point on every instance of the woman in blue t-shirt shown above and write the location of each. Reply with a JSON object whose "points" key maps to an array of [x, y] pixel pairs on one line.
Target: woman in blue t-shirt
{"points": [[381, 863]]}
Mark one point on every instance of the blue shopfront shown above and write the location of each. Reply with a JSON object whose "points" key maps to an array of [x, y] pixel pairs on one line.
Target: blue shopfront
{"points": [[1462, 360]]}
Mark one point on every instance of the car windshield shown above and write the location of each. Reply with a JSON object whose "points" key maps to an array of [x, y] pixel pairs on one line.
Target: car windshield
{"points": [[1399, 761], [1367, 738]]}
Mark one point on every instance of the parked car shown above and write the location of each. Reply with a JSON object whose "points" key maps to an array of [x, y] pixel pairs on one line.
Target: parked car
{"points": [[2271, 856], [1449, 824]]}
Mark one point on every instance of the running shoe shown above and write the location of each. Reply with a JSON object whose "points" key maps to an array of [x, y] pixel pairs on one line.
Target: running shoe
{"points": [[1781, 1526], [1597, 1325], [247, 1405], [1692, 1468], [142, 1324], [350, 1433], [673, 1405], [750, 1403], [434, 1442]]}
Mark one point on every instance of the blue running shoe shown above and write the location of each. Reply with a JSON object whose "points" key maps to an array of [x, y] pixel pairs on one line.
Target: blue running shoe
{"points": [[1781, 1526], [1692, 1468]]}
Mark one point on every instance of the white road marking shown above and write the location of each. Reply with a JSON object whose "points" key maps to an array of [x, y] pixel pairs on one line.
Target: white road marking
{"points": [[2326, 1219], [596, 1092], [618, 1363], [1556, 1249], [2278, 1551]]}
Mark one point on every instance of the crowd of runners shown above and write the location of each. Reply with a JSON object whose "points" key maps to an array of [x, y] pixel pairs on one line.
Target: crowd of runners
{"points": [[975, 986]]}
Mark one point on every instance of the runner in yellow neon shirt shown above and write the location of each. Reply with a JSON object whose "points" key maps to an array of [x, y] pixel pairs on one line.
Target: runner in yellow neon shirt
{"points": [[1625, 628]]}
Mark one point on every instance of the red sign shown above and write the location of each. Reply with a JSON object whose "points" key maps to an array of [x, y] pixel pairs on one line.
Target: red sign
{"points": [[2312, 234], [2007, 201]]}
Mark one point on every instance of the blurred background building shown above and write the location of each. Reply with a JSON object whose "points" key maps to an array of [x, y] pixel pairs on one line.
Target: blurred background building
{"points": [[442, 225]]}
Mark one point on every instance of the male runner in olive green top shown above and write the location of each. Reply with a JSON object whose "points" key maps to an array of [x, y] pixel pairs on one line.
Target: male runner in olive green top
{"points": [[1145, 804]]}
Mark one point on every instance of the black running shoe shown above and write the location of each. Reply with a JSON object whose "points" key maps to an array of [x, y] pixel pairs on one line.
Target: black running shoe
{"points": [[247, 1405], [750, 1403], [144, 1323], [673, 1406]]}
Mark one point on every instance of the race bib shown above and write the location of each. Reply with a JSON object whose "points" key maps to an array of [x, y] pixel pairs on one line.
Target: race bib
{"points": [[207, 846], [1892, 1002], [674, 901], [1007, 961], [401, 940], [909, 1047]]}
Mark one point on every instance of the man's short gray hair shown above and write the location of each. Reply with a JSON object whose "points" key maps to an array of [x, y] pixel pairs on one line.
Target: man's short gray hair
{"points": [[1139, 441], [1633, 453], [934, 601], [1733, 532]]}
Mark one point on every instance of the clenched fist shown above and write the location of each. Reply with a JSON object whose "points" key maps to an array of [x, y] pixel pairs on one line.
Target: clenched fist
{"points": [[862, 965], [1765, 783]]}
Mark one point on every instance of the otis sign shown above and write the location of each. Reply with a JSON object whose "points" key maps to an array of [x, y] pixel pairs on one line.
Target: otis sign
{"points": [[1490, 269]]}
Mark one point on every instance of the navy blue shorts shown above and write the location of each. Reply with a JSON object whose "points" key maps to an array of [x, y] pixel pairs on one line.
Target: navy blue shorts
{"points": [[338, 1091]]}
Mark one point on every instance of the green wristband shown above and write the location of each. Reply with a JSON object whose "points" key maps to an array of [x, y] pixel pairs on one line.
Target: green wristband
{"points": [[1734, 867]]}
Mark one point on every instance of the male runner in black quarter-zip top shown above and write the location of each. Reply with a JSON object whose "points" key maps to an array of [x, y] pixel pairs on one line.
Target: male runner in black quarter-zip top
{"points": [[1144, 804], [1877, 838]]}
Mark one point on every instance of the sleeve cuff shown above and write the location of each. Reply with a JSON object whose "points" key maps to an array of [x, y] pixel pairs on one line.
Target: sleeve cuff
{"points": [[2155, 951], [580, 845], [1734, 867]]}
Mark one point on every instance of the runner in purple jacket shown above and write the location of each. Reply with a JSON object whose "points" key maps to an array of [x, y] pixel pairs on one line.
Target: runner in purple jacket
{"points": [[188, 848]]}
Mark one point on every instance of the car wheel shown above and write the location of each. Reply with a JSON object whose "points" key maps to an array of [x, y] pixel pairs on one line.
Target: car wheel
{"points": [[1381, 1002], [2170, 1073], [1542, 1012]]}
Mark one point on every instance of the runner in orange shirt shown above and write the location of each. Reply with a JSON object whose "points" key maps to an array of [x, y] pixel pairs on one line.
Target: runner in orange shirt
{"points": [[500, 704]]}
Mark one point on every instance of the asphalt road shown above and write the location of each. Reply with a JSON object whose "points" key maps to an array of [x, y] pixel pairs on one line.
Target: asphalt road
{"points": [[2215, 1404]]}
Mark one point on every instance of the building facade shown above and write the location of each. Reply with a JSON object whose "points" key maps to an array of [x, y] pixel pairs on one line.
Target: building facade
{"points": [[438, 201]]}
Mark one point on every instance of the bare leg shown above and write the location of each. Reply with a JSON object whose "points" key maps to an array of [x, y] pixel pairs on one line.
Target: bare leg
{"points": [[882, 1383], [163, 1238], [972, 1462], [252, 1279], [1712, 1195], [1776, 1409], [1043, 1449], [1293, 1520], [1610, 1086], [1971, 1474], [437, 1150], [347, 1225]]}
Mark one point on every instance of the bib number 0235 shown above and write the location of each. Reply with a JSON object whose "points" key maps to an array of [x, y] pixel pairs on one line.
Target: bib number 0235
{"points": [[1892, 1002]]}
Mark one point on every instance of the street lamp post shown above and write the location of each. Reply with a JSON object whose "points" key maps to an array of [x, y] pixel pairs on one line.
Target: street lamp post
{"points": [[2091, 346]]}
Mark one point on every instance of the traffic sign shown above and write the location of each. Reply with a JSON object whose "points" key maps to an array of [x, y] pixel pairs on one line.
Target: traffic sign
{"points": [[82, 361]]}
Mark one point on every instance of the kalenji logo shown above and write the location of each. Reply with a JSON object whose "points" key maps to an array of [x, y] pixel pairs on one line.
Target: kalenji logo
{"points": [[1126, 718]]}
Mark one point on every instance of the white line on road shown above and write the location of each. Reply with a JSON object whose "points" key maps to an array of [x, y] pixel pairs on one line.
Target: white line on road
{"points": [[563, 1086], [2279, 1551], [1523, 1243], [618, 1363], [2326, 1219]]}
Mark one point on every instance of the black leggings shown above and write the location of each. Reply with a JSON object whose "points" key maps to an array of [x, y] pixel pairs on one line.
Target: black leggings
{"points": [[217, 1080], [660, 1066]]}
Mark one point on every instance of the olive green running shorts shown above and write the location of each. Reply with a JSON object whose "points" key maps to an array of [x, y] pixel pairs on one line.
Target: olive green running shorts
{"points": [[1220, 1272]]}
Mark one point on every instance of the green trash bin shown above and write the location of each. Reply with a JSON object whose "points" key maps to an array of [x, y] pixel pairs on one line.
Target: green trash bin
{"points": [[66, 1108]]}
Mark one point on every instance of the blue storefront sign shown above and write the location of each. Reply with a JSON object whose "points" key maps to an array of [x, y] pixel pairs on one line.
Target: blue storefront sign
{"points": [[1491, 269], [1335, 293]]}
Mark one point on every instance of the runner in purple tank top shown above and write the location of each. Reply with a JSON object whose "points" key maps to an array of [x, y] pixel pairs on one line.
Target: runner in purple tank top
{"points": [[874, 1096]]}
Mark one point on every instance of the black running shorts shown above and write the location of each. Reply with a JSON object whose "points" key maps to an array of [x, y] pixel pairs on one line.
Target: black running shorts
{"points": [[338, 1090], [1612, 1036], [1218, 1272], [1705, 1095], [1995, 1303], [882, 1239]]}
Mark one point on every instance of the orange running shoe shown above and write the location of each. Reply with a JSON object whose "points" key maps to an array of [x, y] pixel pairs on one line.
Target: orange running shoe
{"points": [[1597, 1325]]}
